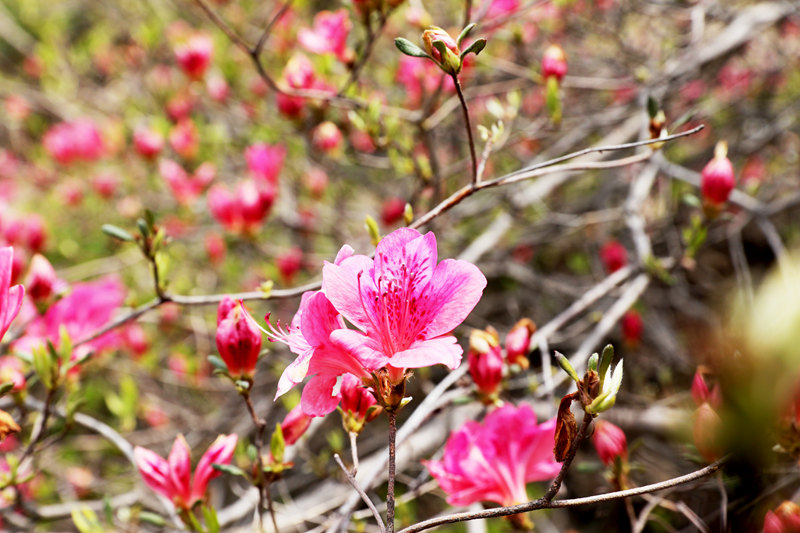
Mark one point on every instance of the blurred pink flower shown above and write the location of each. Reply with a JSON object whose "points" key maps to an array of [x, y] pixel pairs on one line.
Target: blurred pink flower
{"points": [[244, 210], [183, 138], [289, 262], [495, 460], [392, 210], [173, 478], [554, 62], [194, 55], [419, 78], [294, 425], [614, 256], [329, 35], [87, 308], [632, 327], [41, 280], [186, 188], [11, 371], [265, 162], [10, 297], [148, 143], [217, 88], [784, 519], [327, 136], [78, 140], [518, 342]]}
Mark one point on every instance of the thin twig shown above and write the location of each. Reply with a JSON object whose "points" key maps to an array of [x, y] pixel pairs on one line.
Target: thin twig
{"points": [[354, 451], [355, 485], [265, 34], [270, 507], [465, 110], [390, 487], [261, 484], [558, 504]]}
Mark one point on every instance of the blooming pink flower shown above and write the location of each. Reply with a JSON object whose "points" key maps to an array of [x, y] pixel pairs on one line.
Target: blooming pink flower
{"points": [[238, 339], [494, 461], [148, 143], [329, 35], [717, 179], [404, 303], [614, 256], [87, 308], [172, 477], [609, 441], [294, 425], [10, 297], [73, 141], [265, 162], [186, 188], [194, 55]]}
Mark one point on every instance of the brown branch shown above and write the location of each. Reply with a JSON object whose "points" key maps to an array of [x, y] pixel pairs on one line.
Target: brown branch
{"points": [[361, 493]]}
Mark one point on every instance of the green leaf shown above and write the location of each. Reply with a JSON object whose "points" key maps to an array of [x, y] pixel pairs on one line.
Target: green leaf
{"points": [[652, 107], [43, 366], [143, 229], [229, 469], [65, 344], [5, 388], [149, 218], [116, 232], [409, 48], [86, 520], [553, 99], [475, 48], [152, 518], [372, 229], [464, 33], [218, 364], [592, 363], [567, 366], [605, 362], [277, 445], [210, 517]]}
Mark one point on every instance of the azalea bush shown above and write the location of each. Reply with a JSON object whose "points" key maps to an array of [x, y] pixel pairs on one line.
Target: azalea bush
{"points": [[399, 266]]}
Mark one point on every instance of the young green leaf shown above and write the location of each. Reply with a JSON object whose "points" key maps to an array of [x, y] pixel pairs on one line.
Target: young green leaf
{"points": [[116, 232], [409, 48]]}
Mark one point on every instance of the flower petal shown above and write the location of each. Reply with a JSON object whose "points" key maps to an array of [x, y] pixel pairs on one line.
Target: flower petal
{"points": [[366, 352], [341, 284], [454, 291], [220, 452], [180, 470], [441, 350], [318, 398]]}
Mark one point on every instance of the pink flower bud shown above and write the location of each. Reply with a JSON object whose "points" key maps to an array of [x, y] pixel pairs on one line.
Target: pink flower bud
{"points": [[265, 162], [327, 136], [518, 341], [134, 339], [485, 361], [180, 106], [316, 180], [610, 442], [105, 184], [217, 88], [41, 279], [294, 425], [554, 62], [717, 180], [392, 211], [359, 405], [238, 339], [194, 55], [289, 263], [451, 63], [784, 519], [215, 248], [632, 326], [183, 139], [614, 256], [148, 143]]}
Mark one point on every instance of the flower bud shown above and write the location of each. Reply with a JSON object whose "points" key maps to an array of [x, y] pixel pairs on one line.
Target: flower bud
{"points": [[194, 55], [294, 425], [518, 341], [327, 136], [706, 429], [610, 442], [148, 143], [554, 62], [289, 263], [614, 256], [392, 211], [7, 425], [632, 326], [485, 363], [717, 180], [41, 279], [359, 406], [451, 62], [784, 519], [238, 339], [183, 139]]}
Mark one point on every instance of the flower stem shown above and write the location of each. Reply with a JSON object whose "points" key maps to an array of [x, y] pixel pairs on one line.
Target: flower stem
{"points": [[261, 484], [390, 488], [465, 109]]}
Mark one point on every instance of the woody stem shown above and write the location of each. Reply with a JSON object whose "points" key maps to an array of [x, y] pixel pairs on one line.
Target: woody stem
{"points": [[390, 487], [465, 109]]}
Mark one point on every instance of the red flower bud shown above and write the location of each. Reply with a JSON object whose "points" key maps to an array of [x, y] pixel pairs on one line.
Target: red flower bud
{"points": [[717, 177], [194, 55], [518, 341], [148, 143], [41, 279], [359, 406], [614, 256], [610, 442], [632, 326], [289, 263], [238, 339], [554, 62], [451, 63], [485, 363]]}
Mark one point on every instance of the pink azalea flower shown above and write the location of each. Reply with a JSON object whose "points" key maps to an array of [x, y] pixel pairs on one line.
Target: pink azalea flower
{"points": [[404, 303], [243, 210], [610, 442], [10, 297], [265, 162], [186, 188], [194, 55], [329, 35], [494, 461], [148, 143], [87, 308], [238, 340], [72, 141], [172, 477]]}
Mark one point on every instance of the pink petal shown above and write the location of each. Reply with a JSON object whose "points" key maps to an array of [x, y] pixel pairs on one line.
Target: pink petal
{"points": [[180, 469], [366, 352], [319, 319], [220, 452], [454, 291], [345, 252], [154, 470], [341, 283], [441, 350], [407, 256], [318, 398], [294, 373]]}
